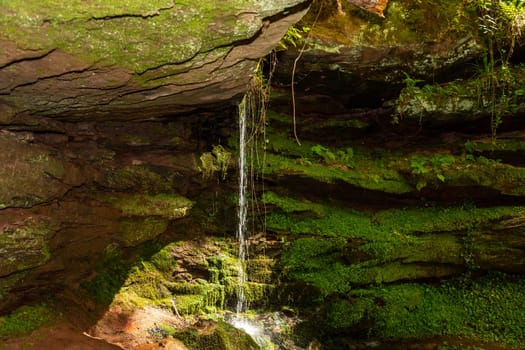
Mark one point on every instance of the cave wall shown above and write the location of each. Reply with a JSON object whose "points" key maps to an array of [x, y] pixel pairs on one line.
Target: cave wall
{"points": [[393, 212], [396, 181], [111, 114]]}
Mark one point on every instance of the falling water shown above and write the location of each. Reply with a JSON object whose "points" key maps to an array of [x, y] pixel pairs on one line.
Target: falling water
{"points": [[256, 329], [242, 213]]}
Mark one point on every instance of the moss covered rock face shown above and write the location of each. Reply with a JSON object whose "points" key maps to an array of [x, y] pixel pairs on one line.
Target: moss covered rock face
{"points": [[154, 57], [30, 174], [350, 53], [393, 216]]}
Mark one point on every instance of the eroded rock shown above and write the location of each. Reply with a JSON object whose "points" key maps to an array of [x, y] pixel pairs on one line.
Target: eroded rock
{"points": [[141, 61]]}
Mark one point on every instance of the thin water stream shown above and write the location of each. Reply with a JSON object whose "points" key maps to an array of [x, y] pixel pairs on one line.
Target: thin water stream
{"points": [[261, 327], [242, 212], [253, 329]]}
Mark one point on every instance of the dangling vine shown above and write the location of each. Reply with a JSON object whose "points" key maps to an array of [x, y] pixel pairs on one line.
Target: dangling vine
{"points": [[257, 98], [294, 116], [501, 23]]}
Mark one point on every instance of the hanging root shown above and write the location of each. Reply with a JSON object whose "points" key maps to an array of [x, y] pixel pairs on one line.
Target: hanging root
{"points": [[294, 116]]}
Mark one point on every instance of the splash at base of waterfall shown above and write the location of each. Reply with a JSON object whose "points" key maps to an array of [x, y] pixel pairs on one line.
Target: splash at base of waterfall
{"points": [[269, 330], [255, 330]]}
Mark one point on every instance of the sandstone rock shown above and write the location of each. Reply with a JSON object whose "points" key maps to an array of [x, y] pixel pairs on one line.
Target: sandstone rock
{"points": [[356, 61], [95, 61]]}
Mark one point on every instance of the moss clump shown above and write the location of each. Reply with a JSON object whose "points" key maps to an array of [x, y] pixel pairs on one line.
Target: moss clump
{"points": [[207, 298], [499, 145], [25, 319], [221, 266], [138, 178], [383, 225], [317, 262], [222, 336], [404, 22], [216, 160], [260, 269], [108, 281], [109, 30], [170, 206], [343, 248], [135, 231], [343, 315], [143, 285], [490, 309], [25, 245], [357, 166], [468, 99]]}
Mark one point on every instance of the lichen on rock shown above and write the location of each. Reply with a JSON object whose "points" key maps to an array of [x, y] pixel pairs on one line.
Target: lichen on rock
{"points": [[169, 206], [25, 245]]}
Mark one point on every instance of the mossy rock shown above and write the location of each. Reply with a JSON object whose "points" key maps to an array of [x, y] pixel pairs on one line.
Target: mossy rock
{"points": [[25, 245], [344, 248], [217, 336], [31, 173], [488, 309], [7, 283], [139, 178], [134, 231], [221, 267], [109, 30], [169, 206], [260, 269], [463, 100], [26, 319]]}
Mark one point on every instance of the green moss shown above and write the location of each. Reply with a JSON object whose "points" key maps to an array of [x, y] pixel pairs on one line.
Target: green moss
{"points": [[260, 269], [138, 178], [506, 179], [355, 166], [499, 145], [396, 172], [485, 310], [489, 309], [343, 314], [197, 297], [155, 279], [163, 260], [220, 267], [216, 160], [222, 337], [345, 248], [111, 274], [317, 262], [170, 206], [290, 205], [465, 99], [384, 225], [404, 22], [135, 231], [25, 319], [109, 30], [25, 245], [205, 299]]}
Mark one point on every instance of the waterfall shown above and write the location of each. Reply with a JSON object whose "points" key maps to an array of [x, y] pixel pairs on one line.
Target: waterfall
{"points": [[242, 211], [255, 330]]}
